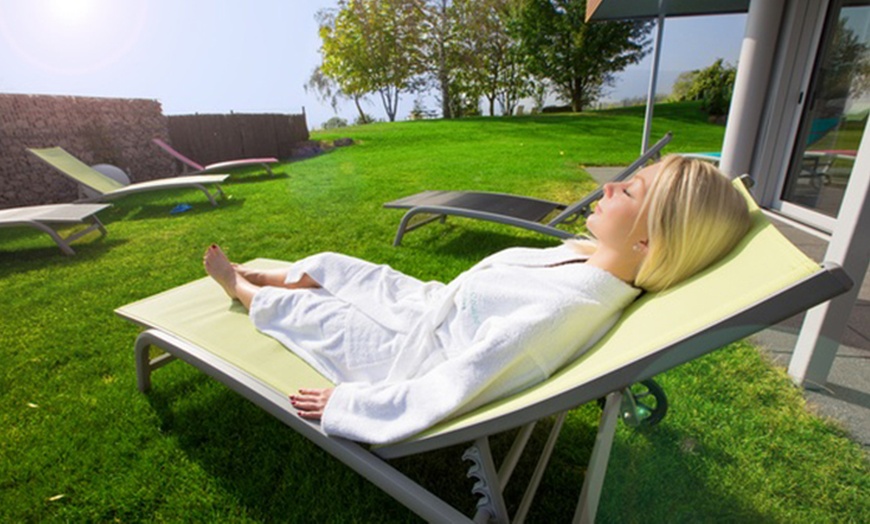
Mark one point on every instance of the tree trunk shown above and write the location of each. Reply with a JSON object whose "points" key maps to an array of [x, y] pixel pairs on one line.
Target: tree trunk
{"points": [[577, 96], [446, 111], [362, 114]]}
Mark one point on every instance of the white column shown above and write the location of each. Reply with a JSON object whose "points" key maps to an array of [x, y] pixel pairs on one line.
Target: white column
{"points": [[824, 325], [753, 77]]}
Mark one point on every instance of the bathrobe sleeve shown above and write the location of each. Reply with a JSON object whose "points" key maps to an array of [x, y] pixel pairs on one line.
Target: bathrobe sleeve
{"points": [[509, 354]]}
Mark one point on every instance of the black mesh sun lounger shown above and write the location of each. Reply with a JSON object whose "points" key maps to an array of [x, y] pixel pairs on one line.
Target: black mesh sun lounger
{"points": [[515, 210]]}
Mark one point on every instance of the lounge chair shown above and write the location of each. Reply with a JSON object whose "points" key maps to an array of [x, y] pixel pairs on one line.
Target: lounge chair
{"points": [[219, 166], [765, 280], [514, 210], [48, 218], [106, 188]]}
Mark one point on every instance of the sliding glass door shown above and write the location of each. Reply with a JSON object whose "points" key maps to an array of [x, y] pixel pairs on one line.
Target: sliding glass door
{"points": [[834, 115]]}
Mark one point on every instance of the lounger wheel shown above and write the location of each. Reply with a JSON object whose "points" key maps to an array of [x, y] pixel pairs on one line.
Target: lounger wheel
{"points": [[647, 406]]}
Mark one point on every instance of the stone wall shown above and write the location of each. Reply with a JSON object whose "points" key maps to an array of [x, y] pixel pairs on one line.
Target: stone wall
{"points": [[95, 130]]}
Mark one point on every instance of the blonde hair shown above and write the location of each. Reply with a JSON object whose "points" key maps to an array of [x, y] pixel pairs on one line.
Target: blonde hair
{"points": [[695, 217]]}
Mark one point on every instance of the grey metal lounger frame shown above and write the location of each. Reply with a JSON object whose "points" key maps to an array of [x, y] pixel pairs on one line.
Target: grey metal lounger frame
{"points": [[444, 203], [42, 218], [371, 463]]}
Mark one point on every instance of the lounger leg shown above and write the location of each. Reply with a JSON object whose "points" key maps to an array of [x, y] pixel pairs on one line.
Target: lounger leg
{"points": [[491, 507], [145, 364], [404, 227], [538, 474], [506, 470], [587, 506], [95, 225], [62, 243], [211, 197]]}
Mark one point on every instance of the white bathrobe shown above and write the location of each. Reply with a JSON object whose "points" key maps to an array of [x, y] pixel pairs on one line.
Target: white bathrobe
{"points": [[406, 354]]}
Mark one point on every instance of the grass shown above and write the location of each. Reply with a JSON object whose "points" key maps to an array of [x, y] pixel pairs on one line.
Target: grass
{"points": [[79, 443]]}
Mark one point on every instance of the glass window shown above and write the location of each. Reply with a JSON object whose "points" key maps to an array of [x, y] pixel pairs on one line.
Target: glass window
{"points": [[835, 113]]}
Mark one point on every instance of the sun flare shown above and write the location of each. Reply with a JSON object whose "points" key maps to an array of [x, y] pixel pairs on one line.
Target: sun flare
{"points": [[72, 37], [73, 12]]}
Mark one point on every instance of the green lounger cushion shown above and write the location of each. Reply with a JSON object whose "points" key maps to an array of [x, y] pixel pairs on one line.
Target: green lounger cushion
{"points": [[77, 169], [202, 314]]}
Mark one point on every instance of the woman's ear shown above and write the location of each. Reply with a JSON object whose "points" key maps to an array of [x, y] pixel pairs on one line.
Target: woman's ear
{"points": [[641, 247]]}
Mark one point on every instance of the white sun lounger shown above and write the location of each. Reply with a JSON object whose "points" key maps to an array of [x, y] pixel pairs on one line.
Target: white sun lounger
{"points": [[48, 218], [107, 188], [765, 280]]}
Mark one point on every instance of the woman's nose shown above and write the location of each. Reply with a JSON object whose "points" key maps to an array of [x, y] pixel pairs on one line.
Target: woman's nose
{"points": [[608, 189]]}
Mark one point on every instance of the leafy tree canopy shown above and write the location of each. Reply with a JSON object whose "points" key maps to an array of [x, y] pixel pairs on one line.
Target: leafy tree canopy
{"points": [[578, 59], [713, 85], [373, 46]]}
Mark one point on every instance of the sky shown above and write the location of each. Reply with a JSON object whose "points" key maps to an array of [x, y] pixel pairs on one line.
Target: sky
{"points": [[244, 56]]}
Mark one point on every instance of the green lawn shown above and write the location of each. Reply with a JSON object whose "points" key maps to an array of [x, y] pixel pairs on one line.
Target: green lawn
{"points": [[78, 443]]}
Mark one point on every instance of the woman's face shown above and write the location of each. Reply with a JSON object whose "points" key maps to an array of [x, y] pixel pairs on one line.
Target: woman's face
{"points": [[617, 220]]}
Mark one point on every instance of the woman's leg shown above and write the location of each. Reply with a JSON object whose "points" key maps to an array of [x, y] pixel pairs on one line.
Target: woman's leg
{"points": [[273, 277], [218, 266]]}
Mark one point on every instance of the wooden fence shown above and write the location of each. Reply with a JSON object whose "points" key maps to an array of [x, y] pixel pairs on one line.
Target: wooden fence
{"points": [[214, 138]]}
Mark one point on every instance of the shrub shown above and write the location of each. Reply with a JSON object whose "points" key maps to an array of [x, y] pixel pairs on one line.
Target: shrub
{"points": [[334, 123], [713, 86]]}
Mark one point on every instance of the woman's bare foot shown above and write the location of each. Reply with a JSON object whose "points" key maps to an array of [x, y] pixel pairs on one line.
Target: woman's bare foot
{"points": [[219, 267]]}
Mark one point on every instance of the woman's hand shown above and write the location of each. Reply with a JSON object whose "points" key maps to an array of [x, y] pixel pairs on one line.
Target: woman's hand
{"points": [[310, 403]]}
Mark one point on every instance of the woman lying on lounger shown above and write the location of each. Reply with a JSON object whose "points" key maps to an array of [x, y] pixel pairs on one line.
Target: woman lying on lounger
{"points": [[406, 354]]}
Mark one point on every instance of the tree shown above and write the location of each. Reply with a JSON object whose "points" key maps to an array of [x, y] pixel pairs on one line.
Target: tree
{"points": [[440, 51], [847, 71], [683, 85], [497, 61], [373, 46], [328, 91], [334, 123], [468, 50], [713, 86], [578, 59]]}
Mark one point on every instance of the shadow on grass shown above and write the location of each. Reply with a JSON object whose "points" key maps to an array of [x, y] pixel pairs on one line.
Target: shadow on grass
{"points": [[280, 476], [275, 473], [163, 211], [459, 237], [46, 256], [657, 474], [251, 178]]}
